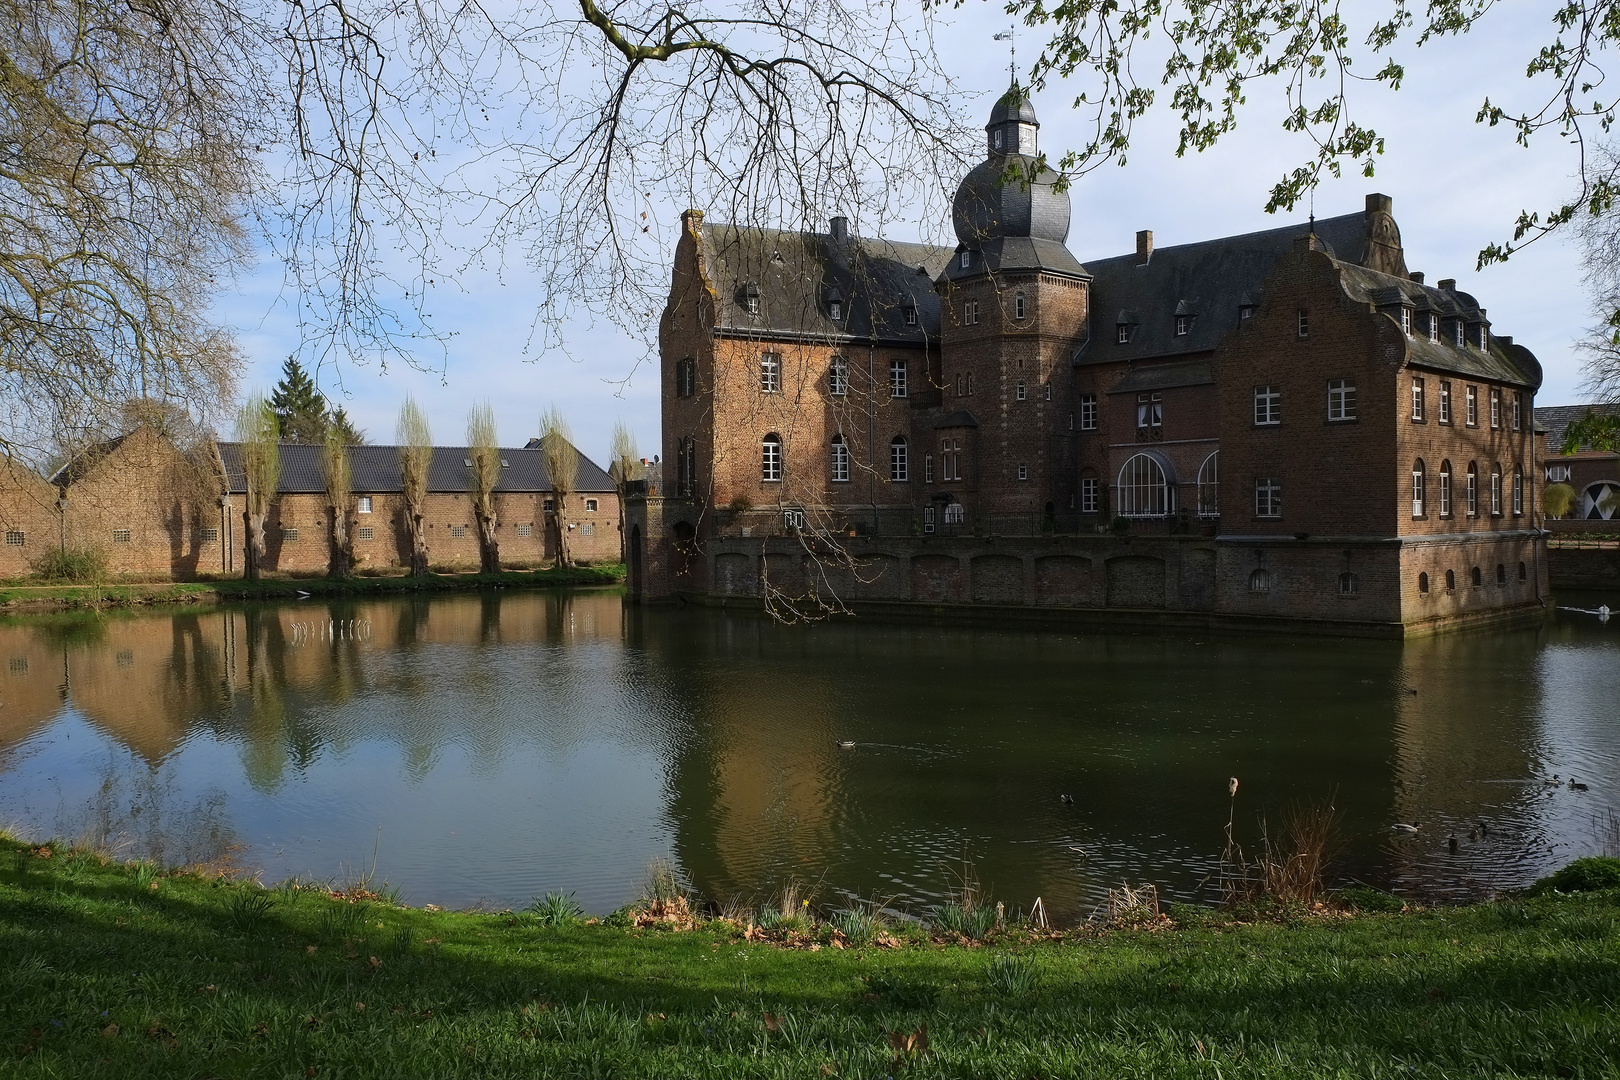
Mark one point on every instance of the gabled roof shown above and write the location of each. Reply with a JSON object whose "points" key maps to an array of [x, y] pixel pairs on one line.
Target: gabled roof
{"points": [[793, 273], [1215, 277], [375, 470], [85, 460], [1558, 417]]}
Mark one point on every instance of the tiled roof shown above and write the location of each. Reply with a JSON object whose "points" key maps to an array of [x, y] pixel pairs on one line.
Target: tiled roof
{"points": [[792, 274], [375, 470], [1558, 417]]}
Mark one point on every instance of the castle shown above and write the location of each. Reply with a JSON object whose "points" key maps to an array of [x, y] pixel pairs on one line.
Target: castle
{"points": [[1285, 428]]}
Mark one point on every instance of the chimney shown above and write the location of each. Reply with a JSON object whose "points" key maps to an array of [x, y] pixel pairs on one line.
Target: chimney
{"points": [[1308, 242], [1377, 203], [1417, 276], [1505, 339], [840, 229], [1144, 247]]}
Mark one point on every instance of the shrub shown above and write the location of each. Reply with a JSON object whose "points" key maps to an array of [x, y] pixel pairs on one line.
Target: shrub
{"points": [[1584, 875], [1012, 974], [79, 566], [741, 504], [556, 909], [1557, 499]]}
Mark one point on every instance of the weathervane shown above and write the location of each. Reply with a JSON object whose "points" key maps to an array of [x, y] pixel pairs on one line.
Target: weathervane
{"points": [[1012, 52]]}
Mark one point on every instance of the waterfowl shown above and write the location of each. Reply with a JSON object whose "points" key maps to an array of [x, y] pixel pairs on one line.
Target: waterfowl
{"points": [[1573, 786], [1484, 829], [1066, 800], [846, 744], [1473, 833], [1553, 779], [1401, 826]]}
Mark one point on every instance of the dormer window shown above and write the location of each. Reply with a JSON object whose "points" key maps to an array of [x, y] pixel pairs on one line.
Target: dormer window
{"points": [[1406, 321], [1122, 333], [1460, 331], [1183, 324], [966, 259], [995, 139], [1434, 327], [750, 298], [835, 310], [1245, 311], [911, 316]]}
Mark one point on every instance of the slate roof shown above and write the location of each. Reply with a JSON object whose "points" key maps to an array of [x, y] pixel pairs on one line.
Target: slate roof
{"points": [[794, 273], [959, 418], [1165, 376], [375, 470], [1558, 417], [1213, 278]]}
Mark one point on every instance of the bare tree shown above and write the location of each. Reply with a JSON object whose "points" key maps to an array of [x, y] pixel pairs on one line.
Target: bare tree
{"points": [[256, 432], [485, 472], [335, 470], [415, 443], [625, 467], [561, 460]]}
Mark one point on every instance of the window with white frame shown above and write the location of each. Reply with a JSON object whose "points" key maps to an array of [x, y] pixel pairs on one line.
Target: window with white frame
{"points": [[1260, 581], [1341, 399], [588, 529], [1046, 391], [770, 373], [1471, 406], [928, 519], [1444, 414], [840, 460], [1122, 333], [1417, 488], [897, 378], [1518, 491], [1183, 324], [1302, 323], [1406, 321], [1471, 490], [1445, 488], [1267, 405], [1023, 472], [1149, 411], [897, 460], [1088, 412], [1018, 306], [1018, 392], [1461, 329], [953, 514], [966, 259], [1518, 409], [525, 529], [1496, 407], [1245, 311], [835, 310], [970, 313], [950, 459], [1434, 327], [362, 505], [1267, 498], [1557, 474], [1209, 486], [1349, 584], [838, 376], [1089, 488], [1143, 489], [911, 316], [792, 519], [928, 468], [1496, 491], [590, 506], [770, 458], [1417, 398]]}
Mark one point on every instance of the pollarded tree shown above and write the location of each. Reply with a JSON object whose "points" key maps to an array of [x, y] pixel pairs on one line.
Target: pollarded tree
{"points": [[561, 460], [625, 467], [485, 472], [335, 470], [415, 442], [257, 434]]}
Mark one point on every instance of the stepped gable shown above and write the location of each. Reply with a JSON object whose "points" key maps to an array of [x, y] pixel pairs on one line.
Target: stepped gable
{"points": [[1209, 281], [794, 277], [375, 470]]}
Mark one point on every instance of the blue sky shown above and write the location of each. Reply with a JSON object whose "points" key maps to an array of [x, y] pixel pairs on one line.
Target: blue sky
{"points": [[1456, 186]]}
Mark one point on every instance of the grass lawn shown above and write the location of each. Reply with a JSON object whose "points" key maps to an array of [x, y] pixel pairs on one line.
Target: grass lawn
{"points": [[115, 970], [22, 594]]}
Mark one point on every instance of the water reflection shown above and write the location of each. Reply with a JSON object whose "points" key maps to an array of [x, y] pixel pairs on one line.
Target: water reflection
{"points": [[510, 743]]}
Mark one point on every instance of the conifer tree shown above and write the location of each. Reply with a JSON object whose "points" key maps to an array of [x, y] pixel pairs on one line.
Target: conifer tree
{"points": [[300, 410]]}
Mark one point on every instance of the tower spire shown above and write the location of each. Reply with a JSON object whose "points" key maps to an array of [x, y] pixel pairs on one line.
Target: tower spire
{"points": [[1012, 53]]}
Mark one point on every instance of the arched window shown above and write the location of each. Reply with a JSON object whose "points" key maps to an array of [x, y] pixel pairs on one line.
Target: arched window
{"points": [[1417, 488], [840, 460], [1143, 490], [1501, 574], [1423, 583], [1445, 488], [685, 377], [1472, 494], [1518, 490], [1209, 486], [898, 471], [1260, 581], [770, 457], [1475, 577], [1349, 584], [686, 466], [838, 377], [1451, 580], [1496, 490], [1600, 501], [959, 384], [1521, 572]]}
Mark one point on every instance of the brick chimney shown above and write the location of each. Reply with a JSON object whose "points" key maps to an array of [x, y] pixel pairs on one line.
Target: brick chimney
{"points": [[1417, 276], [1144, 247], [840, 230], [1446, 284]]}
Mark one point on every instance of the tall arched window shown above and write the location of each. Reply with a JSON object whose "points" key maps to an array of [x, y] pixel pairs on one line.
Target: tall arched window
{"points": [[1473, 489], [840, 460], [898, 470], [1445, 488], [1209, 486], [1518, 490], [1496, 490], [686, 466], [1451, 580], [1417, 488], [1260, 581], [770, 457], [1423, 583], [1143, 490], [838, 377]]}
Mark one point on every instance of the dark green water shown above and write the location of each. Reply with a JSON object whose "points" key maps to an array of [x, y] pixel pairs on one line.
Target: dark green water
{"points": [[491, 748]]}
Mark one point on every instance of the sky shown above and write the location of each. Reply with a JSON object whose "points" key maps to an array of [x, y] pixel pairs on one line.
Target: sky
{"points": [[1456, 185]]}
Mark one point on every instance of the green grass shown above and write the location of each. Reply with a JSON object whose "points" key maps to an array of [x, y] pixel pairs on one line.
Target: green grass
{"points": [[113, 971], [32, 595]]}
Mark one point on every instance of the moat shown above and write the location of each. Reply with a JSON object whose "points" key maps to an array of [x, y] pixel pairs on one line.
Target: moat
{"points": [[489, 748]]}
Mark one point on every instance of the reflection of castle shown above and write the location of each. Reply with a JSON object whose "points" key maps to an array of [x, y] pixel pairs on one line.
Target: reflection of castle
{"points": [[1285, 424]]}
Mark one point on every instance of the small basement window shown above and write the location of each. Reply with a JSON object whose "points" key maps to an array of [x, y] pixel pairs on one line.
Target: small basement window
{"points": [[458, 530], [365, 532], [121, 536], [15, 538], [289, 534], [525, 530]]}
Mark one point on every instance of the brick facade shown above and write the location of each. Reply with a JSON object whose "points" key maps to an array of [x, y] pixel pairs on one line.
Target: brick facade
{"points": [[1239, 410]]}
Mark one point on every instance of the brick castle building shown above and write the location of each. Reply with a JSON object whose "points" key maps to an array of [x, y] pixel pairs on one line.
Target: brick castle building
{"points": [[1283, 425]]}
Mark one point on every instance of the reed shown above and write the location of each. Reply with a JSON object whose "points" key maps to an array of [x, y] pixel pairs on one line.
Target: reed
{"points": [[1289, 869]]}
